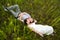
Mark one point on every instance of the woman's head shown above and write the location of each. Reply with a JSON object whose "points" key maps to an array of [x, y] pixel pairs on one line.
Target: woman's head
{"points": [[28, 21]]}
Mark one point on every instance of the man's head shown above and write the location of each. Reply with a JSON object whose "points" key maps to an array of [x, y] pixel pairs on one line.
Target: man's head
{"points": [[28, 21]]}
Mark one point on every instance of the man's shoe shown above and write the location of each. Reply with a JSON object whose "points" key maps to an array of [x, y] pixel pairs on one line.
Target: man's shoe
{"points": [[5, 8]]}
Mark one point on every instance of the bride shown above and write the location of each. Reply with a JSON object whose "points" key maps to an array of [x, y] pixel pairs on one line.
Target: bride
{"points": [[38, 28]]}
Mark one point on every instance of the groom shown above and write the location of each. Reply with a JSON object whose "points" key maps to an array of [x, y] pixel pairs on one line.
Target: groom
{"points": [[22, 16]]}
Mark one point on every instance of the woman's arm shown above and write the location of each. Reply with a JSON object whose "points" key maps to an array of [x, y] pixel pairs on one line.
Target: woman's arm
{"points": [[35, 20]]}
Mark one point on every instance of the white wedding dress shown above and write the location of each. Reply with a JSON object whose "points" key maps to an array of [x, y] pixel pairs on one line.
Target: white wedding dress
{"points": [[38, 28]]}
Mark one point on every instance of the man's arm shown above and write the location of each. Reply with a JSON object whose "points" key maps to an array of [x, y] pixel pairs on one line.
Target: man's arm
{"points": [[20, 17]]}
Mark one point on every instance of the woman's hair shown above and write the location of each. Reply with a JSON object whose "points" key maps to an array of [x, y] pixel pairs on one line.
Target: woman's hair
{"points": [[26, 21]]}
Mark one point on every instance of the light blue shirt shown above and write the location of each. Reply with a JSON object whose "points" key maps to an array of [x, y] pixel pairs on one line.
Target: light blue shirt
{"points": [[25, 16]]}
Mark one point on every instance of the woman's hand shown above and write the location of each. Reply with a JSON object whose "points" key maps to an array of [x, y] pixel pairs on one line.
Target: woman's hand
{"points": [[35, 20]]}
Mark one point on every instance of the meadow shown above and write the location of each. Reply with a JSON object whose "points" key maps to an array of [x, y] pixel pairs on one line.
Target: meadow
{"points": [[46, 12]]}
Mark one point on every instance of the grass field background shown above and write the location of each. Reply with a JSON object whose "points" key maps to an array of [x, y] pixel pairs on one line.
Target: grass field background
{"points": [[46, 12]]}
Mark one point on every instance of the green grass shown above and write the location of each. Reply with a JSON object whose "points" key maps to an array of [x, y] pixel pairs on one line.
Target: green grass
{"points": [[46, 12]]}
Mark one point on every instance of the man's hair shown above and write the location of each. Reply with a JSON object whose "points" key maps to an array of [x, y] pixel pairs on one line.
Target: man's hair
{"points": [[26, 21]]}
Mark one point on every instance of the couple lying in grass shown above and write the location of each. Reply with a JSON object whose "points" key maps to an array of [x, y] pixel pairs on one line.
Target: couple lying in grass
{"points": [[29, 21]]}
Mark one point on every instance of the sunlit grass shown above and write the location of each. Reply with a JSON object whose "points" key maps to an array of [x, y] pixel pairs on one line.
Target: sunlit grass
{"points": [[46, 12]]}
